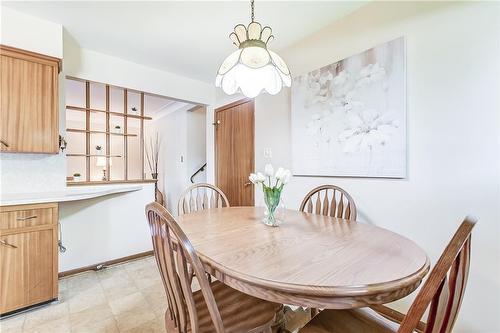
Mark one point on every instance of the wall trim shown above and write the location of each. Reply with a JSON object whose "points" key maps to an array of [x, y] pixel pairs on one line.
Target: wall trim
{"points": [[105, 263]]}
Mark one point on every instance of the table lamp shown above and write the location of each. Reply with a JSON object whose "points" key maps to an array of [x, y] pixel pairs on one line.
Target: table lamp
{"points": [[101, 162]]}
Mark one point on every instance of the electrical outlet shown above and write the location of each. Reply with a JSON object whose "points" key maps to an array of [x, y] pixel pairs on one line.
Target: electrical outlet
{"points": [[268, 153]]}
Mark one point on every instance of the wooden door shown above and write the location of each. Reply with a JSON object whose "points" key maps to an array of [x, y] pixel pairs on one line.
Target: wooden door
{"points": [[29, 113], [27, 269], [234, 151]]}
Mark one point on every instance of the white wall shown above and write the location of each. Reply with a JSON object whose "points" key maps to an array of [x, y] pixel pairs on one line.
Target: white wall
{"points": [[104, 228], [453, 122], [22, 172], [196, 149], [172, 178], [30, 33]]}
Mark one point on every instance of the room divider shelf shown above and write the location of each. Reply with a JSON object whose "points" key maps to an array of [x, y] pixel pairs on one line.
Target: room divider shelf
{"points": [[119, 114], [96, 99], [93, 155], [76, 130]]}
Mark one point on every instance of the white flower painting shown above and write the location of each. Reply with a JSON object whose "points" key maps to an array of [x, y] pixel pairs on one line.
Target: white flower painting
{"points": [[349, 118]]}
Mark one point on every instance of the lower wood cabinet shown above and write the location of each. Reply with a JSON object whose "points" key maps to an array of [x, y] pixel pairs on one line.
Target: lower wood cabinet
{"points": [[28, 255]]}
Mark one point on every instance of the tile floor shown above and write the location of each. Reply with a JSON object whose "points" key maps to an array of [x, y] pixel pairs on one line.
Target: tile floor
{"points": [[124, 298]]}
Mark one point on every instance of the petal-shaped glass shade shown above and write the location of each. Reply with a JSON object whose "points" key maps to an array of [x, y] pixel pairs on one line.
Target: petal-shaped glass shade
{"points": [[229, 63], [255, 57], [234, 39], [266, 33], [253, 68], [241, 32], [279, 63]]}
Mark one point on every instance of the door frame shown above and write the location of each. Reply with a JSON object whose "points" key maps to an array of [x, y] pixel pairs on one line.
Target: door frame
{"points": [[225, 107]]}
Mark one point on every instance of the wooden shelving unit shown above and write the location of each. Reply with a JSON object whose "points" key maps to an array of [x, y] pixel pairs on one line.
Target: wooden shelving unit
{"points": [[101, 182], [88, 131], [97, 132], [93, 155], [77, 108]]}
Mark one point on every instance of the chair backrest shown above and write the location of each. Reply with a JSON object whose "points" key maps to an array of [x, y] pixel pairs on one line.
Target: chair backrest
{"points": [[178, 262], [201, 196], [444, 289], [329, 200], [159, 198]]}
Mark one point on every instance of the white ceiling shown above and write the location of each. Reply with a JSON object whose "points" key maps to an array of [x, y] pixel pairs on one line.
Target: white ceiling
{"points": [[185, 37]]}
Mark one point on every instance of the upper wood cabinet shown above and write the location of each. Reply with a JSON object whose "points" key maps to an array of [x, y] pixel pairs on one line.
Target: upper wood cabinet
{"points": [[29, 113]]}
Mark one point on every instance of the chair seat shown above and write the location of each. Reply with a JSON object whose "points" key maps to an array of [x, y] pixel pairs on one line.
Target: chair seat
{"points": [[239, 312], [350, 321]]}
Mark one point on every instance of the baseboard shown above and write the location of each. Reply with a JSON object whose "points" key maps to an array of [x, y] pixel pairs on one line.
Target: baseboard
{"points": [[105, 263]]}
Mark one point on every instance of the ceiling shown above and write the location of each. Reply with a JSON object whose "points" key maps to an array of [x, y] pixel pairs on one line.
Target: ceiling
{"points": [[183, 37]]}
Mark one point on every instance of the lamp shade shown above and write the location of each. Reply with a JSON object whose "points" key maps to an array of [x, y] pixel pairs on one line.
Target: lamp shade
{"points": [[252, 68]]}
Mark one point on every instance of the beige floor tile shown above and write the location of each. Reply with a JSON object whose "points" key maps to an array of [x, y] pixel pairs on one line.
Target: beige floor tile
{"points": [[154, 326], [155, 295], [60, 325], [145, 277], [108, 325], [134, 318], [12, 324], [91, 297], [45, 314], [91, 315], [118, 285], [129, 302], [81, 282], [126, 297]]}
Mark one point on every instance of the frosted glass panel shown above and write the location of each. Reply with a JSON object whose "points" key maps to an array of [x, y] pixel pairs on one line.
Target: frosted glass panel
{"points": [[116, 99], [134, 103], [75, 93], [97, 96]]}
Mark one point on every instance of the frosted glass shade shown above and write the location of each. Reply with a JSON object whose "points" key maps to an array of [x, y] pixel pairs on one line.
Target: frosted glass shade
{"points": [[252, 68]]}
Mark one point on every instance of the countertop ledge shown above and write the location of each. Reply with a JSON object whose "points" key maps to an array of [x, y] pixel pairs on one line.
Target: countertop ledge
{"points": [[68, 194]]}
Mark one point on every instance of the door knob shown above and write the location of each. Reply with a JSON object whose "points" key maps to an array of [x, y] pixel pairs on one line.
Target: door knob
{"points": [[247, 183]]}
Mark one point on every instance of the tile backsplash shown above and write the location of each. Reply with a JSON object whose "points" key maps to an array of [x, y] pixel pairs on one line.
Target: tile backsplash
{"points": [[32, 173]]}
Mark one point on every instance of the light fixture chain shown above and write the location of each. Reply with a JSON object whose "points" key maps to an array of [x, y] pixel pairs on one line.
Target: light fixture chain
{"points": [[252, 5]]}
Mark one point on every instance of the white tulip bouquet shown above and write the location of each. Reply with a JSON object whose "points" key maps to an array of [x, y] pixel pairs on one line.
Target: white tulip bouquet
{"points": [[272, 185]]}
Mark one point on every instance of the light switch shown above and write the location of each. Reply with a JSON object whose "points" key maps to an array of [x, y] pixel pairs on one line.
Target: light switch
{"points": [[268, 153]]}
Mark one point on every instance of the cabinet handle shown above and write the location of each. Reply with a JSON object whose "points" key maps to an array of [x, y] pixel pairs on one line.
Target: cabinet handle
{"points": [[7, 244], [27, 218], [4, 143]]}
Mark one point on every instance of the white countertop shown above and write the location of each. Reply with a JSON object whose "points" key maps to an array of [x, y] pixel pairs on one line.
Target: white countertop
{"points": [[68, 194]]}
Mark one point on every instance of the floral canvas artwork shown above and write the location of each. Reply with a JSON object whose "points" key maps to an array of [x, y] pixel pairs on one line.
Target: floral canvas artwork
{"points": [[349, 118]]}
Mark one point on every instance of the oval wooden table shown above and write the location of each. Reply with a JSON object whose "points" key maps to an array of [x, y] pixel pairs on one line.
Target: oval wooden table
{"points": [[310, 260]]}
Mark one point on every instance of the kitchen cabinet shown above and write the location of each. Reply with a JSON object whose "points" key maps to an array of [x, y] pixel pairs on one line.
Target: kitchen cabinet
{"points": [[29, 105], [28, 255]]}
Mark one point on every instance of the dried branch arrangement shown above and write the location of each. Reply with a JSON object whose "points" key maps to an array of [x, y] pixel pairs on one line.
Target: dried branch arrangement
{"points": [[152, 154]]}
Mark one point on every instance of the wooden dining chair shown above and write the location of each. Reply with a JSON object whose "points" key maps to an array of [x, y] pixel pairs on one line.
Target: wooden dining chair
{"points": [[442, 294], [215, 307], [329, 200], [201, 196]]}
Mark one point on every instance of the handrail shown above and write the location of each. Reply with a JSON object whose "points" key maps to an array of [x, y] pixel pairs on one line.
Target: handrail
{"points": [[197, 172]]}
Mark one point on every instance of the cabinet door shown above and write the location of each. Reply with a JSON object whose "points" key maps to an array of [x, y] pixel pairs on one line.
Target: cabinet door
{"points": [[29, 113], [27, 269]]}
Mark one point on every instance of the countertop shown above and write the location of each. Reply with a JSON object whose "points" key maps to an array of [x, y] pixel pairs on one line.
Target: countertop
{"points": [[68, 194]]}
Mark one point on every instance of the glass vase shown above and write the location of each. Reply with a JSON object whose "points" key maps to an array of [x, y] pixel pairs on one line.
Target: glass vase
{"points": [[272, 198]]}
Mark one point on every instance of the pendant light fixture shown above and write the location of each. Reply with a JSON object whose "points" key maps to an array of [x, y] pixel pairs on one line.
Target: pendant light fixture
{"points": [[253, 67]]}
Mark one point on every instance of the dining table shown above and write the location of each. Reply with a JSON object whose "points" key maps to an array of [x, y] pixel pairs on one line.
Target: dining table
{"points": [[309, 260]]}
